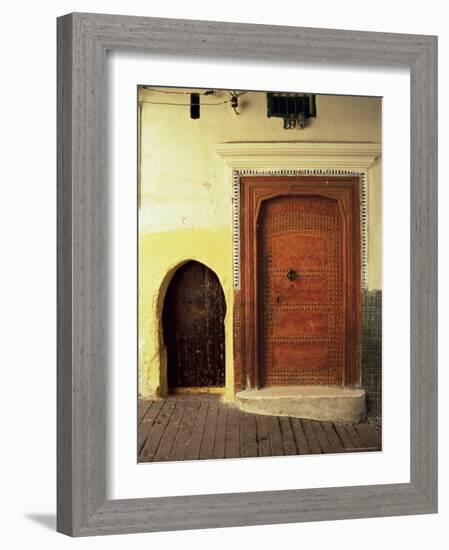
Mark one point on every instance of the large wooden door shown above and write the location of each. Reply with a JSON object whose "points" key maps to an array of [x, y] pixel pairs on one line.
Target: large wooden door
{"points": [[193, 315], [301, 291], [297, 316]]}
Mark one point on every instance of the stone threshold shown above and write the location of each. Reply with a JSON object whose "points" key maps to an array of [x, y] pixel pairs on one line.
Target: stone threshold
{"points": [[325, 403]]}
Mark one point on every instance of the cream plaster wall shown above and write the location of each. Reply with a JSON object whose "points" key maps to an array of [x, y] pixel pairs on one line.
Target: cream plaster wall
{"points": [[186, 197]]}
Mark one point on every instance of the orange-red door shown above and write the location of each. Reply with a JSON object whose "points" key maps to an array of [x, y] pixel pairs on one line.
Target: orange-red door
{"points": [[301, 300]]}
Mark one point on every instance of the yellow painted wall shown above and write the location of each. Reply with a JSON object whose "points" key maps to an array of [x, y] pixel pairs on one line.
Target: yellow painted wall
{"points": [[186, 198]]}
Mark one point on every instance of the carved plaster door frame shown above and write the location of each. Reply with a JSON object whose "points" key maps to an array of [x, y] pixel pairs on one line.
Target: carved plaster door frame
{"points": [[295, 159]]}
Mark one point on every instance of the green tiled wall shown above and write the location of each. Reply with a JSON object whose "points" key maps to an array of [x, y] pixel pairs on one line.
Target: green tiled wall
{"points": [[372, 350]]}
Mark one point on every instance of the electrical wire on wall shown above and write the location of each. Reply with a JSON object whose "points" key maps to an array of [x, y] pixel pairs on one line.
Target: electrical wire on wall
{"points": [[195, 101]]}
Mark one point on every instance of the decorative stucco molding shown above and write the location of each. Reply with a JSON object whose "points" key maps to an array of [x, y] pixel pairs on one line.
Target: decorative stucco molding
{"points": [[295, 154]]}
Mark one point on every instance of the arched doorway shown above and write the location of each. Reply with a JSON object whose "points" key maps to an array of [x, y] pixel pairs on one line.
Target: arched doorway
{"points": [[193, 328]]}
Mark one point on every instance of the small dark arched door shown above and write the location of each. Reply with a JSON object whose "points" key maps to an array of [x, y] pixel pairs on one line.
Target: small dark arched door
{"points": [[192, 319]]}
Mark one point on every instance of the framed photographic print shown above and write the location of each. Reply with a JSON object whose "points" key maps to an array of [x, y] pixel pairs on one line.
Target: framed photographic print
{"points": [[246, 274], [302, 340]]}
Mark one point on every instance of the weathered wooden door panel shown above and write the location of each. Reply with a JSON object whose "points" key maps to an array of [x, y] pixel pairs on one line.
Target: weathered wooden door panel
{"points": [[311, 249], [311, 289], [302, 295], [194, 310], [300, 322]]}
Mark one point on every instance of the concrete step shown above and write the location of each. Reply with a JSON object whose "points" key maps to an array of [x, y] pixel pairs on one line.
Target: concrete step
{"points": [[327, 403]]}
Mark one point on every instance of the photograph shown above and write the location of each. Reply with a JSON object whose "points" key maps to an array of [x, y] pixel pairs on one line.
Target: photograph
{"points": [[259, 273], [220, 284]]}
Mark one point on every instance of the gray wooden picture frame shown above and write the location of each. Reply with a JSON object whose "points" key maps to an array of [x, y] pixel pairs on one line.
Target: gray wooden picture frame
{"points": [[83, 40]]}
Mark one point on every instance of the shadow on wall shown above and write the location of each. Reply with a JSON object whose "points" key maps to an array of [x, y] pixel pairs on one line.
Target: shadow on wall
{"points": [[46, 520]]}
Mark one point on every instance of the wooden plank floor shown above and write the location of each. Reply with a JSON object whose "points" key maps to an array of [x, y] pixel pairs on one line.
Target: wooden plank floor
{"points": [[191, 427]]}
